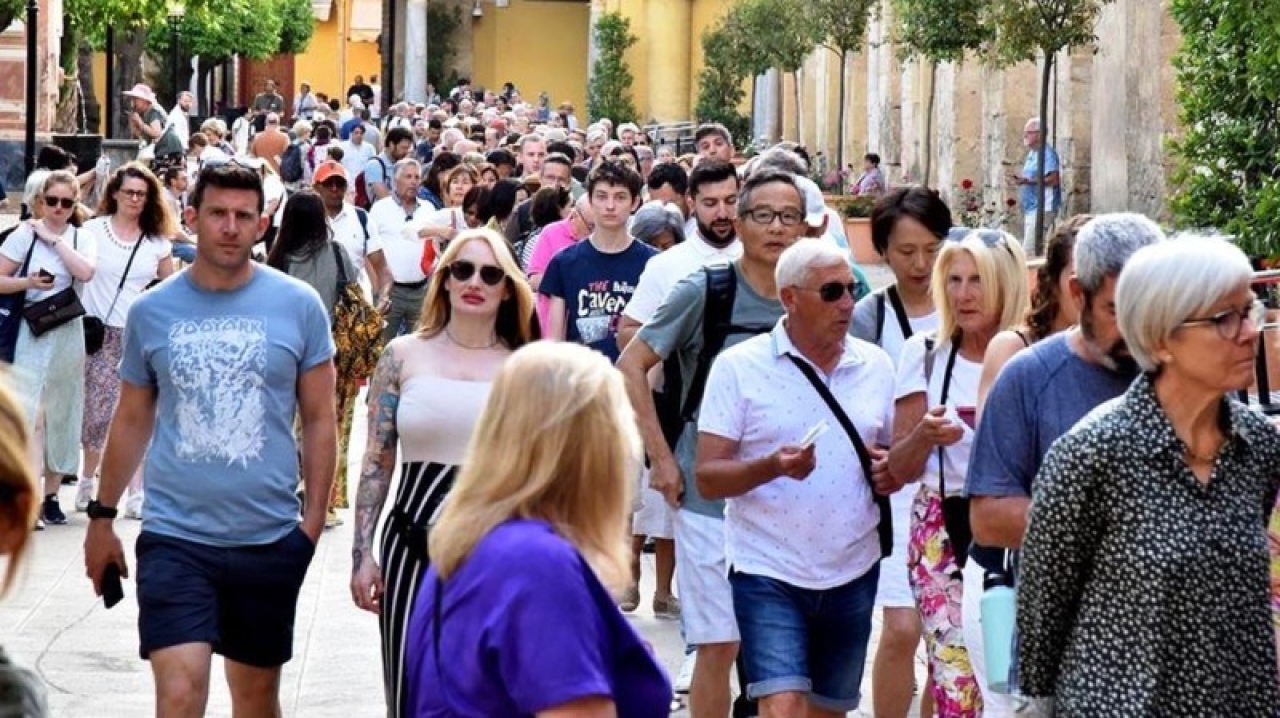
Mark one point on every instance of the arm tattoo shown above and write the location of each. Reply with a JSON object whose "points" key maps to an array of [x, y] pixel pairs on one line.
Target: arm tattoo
{"points": [[380, 452]]}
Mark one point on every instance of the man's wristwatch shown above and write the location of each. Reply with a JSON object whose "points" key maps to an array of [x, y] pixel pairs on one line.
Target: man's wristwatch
{"points": [[98, 511]]}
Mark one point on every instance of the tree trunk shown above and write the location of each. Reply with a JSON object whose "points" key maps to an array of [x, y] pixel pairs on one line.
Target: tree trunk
{"points": [[844, 79], [66, 117], [387, 44], [795, 81], [928, 123], [1045, 72], [91, 119], [129, 48]]}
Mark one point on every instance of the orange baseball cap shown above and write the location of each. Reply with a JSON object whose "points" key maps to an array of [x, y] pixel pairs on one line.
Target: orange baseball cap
{"points": [[329, 169]]}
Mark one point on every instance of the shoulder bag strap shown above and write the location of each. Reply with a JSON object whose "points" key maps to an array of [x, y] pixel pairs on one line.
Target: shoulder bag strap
{"points": [[31, 249], [864, 456], [880, 309], [900, 311], [946, 390], [342, 268], [120, 287]]}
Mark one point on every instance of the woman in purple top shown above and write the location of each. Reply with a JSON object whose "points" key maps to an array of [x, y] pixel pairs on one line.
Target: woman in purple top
{"points": [[514, 618]]}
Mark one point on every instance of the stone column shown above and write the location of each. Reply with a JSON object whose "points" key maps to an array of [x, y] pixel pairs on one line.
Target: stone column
{"points": [[593, 50], [994, 135], [944, 130], [909, 136], [415, 51], [668, 32]]}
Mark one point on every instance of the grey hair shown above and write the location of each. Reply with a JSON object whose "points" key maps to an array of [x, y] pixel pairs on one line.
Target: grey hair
{"points": [[1167, 283], [762, 178], [654, 218], [779, 158], [1106, 242], [797, 261], [405, 164]]}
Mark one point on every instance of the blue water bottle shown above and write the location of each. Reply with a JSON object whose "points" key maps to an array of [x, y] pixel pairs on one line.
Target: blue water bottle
{"points": [[998, 608]]}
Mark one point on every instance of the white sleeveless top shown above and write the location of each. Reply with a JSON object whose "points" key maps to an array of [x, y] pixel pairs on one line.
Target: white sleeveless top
{"points": [[436, 417]]}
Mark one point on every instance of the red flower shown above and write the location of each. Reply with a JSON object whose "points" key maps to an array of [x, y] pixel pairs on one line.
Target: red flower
{"points": [[1011, 202], [971, 207], [966, 184]]}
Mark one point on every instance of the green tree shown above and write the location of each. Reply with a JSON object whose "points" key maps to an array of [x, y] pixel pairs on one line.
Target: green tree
{"points": [[1027, 28], [1227, 171], [720, 92], [770, 34], [443, 24], [795, 34], [843, 28], [938, 31], [609, 91]]}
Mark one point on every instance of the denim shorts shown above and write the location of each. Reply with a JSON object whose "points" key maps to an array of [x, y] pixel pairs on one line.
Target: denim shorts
{"points": [[242, 601], [797, 639]]}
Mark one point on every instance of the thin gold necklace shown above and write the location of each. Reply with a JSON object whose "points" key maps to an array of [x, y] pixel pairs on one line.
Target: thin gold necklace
{"points": [[460, 345], [1201, 458]]}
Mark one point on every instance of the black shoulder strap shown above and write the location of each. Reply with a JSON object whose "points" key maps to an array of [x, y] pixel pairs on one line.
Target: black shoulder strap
{"points": [[722, 288], [930, 343], [342, 267], [880, 308], [899, 311], [885, 528], [946, 392], [123, 277]]}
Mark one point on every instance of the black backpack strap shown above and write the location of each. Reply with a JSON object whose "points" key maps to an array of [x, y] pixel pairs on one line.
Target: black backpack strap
{"points": [[885, 528], [899, 311], [722, 287], [880, 307], [946, 391]]}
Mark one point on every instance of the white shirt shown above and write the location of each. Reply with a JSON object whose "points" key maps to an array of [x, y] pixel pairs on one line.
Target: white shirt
{"points": [[181, 125], [891, 339], [99, 293], [46, 257], [401, 248], [348, 232], [962, 392], [354, 157], [664, 270], [819, 533]]}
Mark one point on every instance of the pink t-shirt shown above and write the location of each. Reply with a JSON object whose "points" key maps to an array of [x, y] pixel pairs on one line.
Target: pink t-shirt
{"points": [[555, 237]]}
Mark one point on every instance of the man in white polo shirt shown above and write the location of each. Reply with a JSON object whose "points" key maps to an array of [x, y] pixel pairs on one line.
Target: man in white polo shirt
{"points": [[389, 218], [350, 226], [801, 519]]}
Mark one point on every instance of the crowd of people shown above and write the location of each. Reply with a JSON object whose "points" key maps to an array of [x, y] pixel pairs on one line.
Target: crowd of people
{"points": [[576, 343]]}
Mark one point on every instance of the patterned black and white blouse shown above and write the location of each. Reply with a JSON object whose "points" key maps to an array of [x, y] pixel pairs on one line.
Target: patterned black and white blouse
{"points": [[1143, 592]]}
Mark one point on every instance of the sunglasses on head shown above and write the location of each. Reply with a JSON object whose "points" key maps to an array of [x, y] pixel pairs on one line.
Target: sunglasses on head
{"points": [[990, 237], [462, 270], [66, 202], [831, 292]]}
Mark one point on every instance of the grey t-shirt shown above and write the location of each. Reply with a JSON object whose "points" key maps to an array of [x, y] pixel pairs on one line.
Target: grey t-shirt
{"points": [[223, 463], [676, 329], [1040, 394]]}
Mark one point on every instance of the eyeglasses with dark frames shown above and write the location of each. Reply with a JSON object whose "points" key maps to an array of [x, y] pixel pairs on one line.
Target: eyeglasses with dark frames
{"points": [[134, 194], [462, 270], [1230, 323], [765, 216]]}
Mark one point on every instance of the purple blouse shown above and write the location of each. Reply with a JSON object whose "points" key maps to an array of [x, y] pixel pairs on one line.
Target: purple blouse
{"points": [[526, 627]]}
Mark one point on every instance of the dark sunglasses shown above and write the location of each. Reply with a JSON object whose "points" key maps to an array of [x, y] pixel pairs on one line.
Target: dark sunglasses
{"points": [[50, 201], [337, 185], [831, 292], [462, 270]]}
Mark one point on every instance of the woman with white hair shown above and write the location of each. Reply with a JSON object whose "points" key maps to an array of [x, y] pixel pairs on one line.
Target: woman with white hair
{"points": [[1143, 586], [979, 285], [658, 225]]}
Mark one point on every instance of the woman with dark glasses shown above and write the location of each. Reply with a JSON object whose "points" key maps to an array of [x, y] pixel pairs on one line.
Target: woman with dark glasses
{"points": [[44, 258], [980, 287], [424, 400]]}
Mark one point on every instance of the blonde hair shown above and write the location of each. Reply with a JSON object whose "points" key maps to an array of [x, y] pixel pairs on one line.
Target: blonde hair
{"points": [[513, 325], [18, 505], [569, 456], [1002, 270]]}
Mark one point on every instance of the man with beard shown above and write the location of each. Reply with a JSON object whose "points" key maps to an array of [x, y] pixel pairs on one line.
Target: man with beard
{"points": [[1040, 394]]}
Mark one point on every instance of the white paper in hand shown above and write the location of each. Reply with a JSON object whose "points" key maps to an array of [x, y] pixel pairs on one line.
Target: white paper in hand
{"points": [[818, 430]]}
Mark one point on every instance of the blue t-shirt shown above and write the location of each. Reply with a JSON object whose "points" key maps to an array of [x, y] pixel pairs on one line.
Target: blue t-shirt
{"points": [[1027, 192], [1040, 394], [223, 464], [526, 626], [595, 288]]}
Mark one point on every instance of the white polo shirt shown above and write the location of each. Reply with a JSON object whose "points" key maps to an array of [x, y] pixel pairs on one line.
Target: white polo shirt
{"points": [[348, 232], [664, 270], [818, 533], [401, 248]]}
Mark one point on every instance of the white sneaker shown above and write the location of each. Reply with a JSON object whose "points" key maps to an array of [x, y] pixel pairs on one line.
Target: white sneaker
{"points": [[685, 677], [133, 506], [84, 493]]}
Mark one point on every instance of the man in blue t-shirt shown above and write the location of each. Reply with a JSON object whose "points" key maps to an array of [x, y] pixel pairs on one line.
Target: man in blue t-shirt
{"points": [[218, 361], [1028, 193], [1039, 395], [589, 284]]}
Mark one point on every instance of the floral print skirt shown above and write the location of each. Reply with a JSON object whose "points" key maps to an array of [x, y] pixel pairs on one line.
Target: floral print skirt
{"points": [[938, 588], [101, 389]]}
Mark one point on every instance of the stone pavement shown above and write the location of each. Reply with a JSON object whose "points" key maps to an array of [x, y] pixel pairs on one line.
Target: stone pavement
{"points": [[88, 656]]}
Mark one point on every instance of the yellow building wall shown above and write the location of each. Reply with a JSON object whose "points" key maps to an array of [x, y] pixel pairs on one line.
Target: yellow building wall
{"points": [[539, 46], [330, 63], [100, 89]]}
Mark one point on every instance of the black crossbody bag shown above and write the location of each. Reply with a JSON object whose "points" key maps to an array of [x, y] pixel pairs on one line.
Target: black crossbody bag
{"points": [[885, 528], [52, 312], [955, 509]]}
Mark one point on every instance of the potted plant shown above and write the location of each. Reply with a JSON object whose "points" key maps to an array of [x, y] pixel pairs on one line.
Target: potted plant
{"points": [[856, 211]]}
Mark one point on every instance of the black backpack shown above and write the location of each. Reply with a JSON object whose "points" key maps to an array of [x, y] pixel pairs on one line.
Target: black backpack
{"points": [[890, 295], [291, 163]]}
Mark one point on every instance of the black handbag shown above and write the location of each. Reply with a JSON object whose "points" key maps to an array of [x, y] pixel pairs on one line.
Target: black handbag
{"points": [[955, 509], [885, 527], [95, 329], [11, 312], [52, 312]]}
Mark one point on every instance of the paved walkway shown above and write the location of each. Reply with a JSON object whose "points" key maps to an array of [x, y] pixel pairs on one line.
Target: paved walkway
{"points": [[88, 656]]}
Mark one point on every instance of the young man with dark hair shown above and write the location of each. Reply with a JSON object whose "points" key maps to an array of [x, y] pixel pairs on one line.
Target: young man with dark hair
{"points": [[712, 140], [377, 170], [590, 283], [503, 161], [669, 183], [229, 352]]}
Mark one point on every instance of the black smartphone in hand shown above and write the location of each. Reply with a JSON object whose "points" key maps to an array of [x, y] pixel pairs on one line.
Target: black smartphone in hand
{"points": [[45, 275], [112, 589]]}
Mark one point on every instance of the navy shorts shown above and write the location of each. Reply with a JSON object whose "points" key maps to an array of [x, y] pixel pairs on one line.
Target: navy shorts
{"points": [[797, 639], [242, 601]]}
